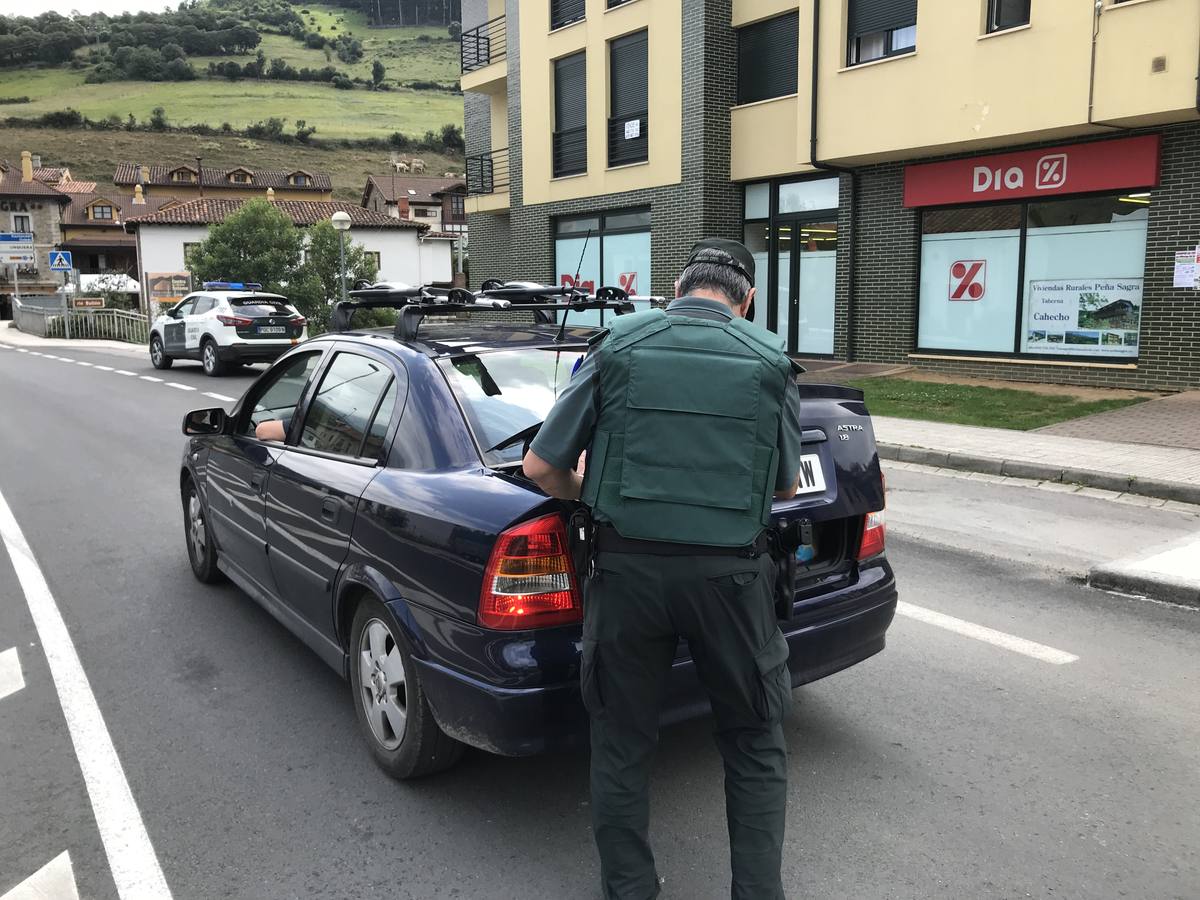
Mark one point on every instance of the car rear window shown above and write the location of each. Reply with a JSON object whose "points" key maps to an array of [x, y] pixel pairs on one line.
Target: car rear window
{"points": [[259, 306], [509, 390]]}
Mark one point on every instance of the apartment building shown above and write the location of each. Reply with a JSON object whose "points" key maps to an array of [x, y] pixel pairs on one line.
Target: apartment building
{"points": [[998, 188]]}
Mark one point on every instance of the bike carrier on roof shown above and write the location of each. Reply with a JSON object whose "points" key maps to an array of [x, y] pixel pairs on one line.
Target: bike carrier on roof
{"points": [[414, 303]]}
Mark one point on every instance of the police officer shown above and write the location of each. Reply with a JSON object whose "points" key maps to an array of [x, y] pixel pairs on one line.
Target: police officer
{"points": [[690, 419]]}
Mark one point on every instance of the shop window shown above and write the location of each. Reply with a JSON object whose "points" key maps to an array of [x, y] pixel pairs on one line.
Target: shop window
{"points": [[1004, 14], [806, 196], [1084, 261], [628, 100], [609, 249], [756, 238], [767, 59], [970, 262], [881, 28], [569, 141], [758, 200]]}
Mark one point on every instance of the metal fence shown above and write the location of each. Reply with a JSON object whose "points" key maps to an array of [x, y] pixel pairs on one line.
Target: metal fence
{"points": [[92, 324]]}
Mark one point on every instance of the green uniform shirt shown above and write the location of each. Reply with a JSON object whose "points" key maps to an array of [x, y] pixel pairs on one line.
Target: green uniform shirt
{"points": [[568, 428]]}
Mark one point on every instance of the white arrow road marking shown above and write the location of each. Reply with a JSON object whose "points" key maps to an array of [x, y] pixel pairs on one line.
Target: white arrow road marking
{"points": [[179, 387], [53, 881], [131, 856], [987, 635], [220, 397], [104, 368], [11, 677]]}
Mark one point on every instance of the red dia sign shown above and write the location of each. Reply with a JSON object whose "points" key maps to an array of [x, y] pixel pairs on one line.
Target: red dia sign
{"points": [[1122, 164], [583, 284], [968, 279], [627, 281]]}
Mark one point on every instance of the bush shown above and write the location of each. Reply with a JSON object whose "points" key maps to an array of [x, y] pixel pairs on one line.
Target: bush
{"points": [[269, 130], [314, 41], [158, 119], [10, 100], [64, 118], [342, 83]]}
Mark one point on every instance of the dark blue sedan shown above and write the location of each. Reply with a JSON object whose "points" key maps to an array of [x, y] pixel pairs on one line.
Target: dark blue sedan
{"points": [[393, 532]]}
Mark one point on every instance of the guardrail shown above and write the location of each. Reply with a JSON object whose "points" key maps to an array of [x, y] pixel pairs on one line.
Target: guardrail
{"points": [[484, 45], [89, 324]]}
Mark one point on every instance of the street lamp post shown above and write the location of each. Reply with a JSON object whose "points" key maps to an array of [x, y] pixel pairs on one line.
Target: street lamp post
{"points": [[341, 222]]}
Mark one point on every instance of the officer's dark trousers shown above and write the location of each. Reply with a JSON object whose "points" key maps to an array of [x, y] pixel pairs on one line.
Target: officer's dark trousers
{"points": [[636, 608]]}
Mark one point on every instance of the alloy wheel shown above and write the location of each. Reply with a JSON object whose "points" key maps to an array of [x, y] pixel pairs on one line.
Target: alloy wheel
{"points": [[210, 358], [382, 688], [156, 352], [197, 532]]}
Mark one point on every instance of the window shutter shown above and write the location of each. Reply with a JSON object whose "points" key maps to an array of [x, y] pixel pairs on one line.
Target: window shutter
{"points": [[628, 67], [869, 16], [570, 93], [767, 57]]}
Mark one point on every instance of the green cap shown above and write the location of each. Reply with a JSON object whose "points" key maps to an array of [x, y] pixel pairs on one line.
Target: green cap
{"points": [[722, 252]]}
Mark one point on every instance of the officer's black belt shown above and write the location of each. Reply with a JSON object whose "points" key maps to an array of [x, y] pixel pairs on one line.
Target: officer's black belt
{"points": [[609, 540]]}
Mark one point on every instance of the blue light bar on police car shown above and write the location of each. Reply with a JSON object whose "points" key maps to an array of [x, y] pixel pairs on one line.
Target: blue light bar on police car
{"points": [[232, 286]]}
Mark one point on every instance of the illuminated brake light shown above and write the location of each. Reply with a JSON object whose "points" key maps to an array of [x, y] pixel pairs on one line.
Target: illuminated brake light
{"points": [[530, 581], [235, 321], [873, 535]]}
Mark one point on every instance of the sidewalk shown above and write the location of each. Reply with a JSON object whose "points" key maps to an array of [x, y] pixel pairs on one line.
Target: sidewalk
{"points": [[1172, 421], [10, 335]]}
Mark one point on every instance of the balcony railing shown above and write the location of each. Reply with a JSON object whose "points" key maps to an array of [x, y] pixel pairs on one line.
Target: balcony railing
{"points": [[627, 139], [484, 45], [487, 173], [568, 150]]}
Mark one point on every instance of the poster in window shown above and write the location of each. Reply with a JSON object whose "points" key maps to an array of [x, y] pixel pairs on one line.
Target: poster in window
{"points": [[1084, 317]]}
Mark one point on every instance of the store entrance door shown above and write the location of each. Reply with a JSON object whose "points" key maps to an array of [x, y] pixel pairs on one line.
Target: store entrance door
{"points": [[804, 260]]}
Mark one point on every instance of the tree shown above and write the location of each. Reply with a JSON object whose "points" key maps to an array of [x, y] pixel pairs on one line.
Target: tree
{"points": [[256, 243], [304, 131], [377, 73], [315, 286], [158, 119]]}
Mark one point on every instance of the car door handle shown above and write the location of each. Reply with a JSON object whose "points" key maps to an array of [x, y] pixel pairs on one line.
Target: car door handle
{"points": [[329, 509]]}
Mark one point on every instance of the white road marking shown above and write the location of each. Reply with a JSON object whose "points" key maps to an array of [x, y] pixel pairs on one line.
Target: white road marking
{"points": [[80, 362], [11, 677], [126, 372], [987, 635], [53, 881], [179, 387], [104, 368], [1177, 563], [21, 350], [36, 353], [220, 397], [150, 378], [131, 856]]}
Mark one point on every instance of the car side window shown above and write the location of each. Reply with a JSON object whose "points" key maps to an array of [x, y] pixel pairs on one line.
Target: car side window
{"points": [[340, 412], [373, 445], [185, 308], [203, 305], [280, 392]]}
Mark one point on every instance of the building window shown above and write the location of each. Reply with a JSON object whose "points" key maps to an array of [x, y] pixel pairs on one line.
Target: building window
{"points": [[1004, 14], [299, 180], [239, 178], [186, 175], [612, 249], [628, 100], [22, 224], [1060, 278], [458, 205], [102, 212], [569, 141], [881, 28], [189, 251], [564, 12], [767, 54]]}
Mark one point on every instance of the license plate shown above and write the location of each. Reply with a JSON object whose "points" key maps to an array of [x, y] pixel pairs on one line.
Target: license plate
{"points": [[272, 329], [812, 479]]}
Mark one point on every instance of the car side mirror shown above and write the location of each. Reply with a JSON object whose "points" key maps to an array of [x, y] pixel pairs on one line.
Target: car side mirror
{"points": [[206, 421], [173, 313]]}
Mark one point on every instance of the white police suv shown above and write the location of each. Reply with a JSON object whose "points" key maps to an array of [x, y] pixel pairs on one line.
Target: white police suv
{"points": [[226, 323]]}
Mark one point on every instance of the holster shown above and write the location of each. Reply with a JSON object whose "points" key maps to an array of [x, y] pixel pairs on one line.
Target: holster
{"points": [[581, 540], [783, 539]]}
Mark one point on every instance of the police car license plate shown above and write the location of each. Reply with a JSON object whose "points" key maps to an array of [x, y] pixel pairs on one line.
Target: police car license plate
{"points": [[272, 329], [812, 479]]}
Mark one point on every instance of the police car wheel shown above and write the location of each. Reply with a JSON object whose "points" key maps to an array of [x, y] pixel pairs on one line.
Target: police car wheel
{"points": [[212, 362], [403, 736], [158, 356], [201, 552]]}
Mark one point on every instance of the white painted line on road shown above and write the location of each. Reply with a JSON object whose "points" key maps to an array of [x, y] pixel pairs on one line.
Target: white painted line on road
{"points": [[987, 635], [150, 378], [131, 856], [53, 881], [179, 387], [104, 368], [21, 350], [126, 372], [220, 397], [11, 677], [36, 353], [80, 362]]}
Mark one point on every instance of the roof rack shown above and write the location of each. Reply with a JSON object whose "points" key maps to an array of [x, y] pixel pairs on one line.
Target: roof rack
{"points": [[414, 303]]}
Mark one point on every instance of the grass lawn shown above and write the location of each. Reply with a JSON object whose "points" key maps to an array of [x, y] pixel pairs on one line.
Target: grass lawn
{"points": [[93, 155], [963, 404]]}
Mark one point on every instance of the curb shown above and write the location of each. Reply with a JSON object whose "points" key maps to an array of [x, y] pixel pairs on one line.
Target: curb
{"points": [[1109, 481], [1115, 578]]}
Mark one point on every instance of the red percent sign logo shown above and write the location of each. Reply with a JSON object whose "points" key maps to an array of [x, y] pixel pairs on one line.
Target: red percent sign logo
{"points": [[968, 279]]}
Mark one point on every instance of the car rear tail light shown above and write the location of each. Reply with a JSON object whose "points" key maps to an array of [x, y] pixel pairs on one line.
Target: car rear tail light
{"points": [[872, 536], [235, 321], [530, 581], [298, 321]]}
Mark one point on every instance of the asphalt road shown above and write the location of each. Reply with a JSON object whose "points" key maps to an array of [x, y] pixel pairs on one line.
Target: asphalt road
{"points": [[945, 767]]}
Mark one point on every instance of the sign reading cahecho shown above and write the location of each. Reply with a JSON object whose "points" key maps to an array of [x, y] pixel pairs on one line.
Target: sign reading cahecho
{"points": [[1074, 169]]}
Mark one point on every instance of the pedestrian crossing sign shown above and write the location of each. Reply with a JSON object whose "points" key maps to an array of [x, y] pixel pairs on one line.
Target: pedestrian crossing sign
{"points": [[60, 261]]}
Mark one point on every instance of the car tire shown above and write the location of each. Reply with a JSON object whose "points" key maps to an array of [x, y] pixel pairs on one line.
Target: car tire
{"points": [[202, 554], [158, 356], [389, 699], [210, 359]]}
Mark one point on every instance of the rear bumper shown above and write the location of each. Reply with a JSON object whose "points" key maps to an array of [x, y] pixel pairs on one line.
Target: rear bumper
{"points": [[266, 351], [524, 721]]}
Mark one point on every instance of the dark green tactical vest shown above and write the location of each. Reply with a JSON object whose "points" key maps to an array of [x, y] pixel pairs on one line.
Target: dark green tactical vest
{"points": [[686, 440]]}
